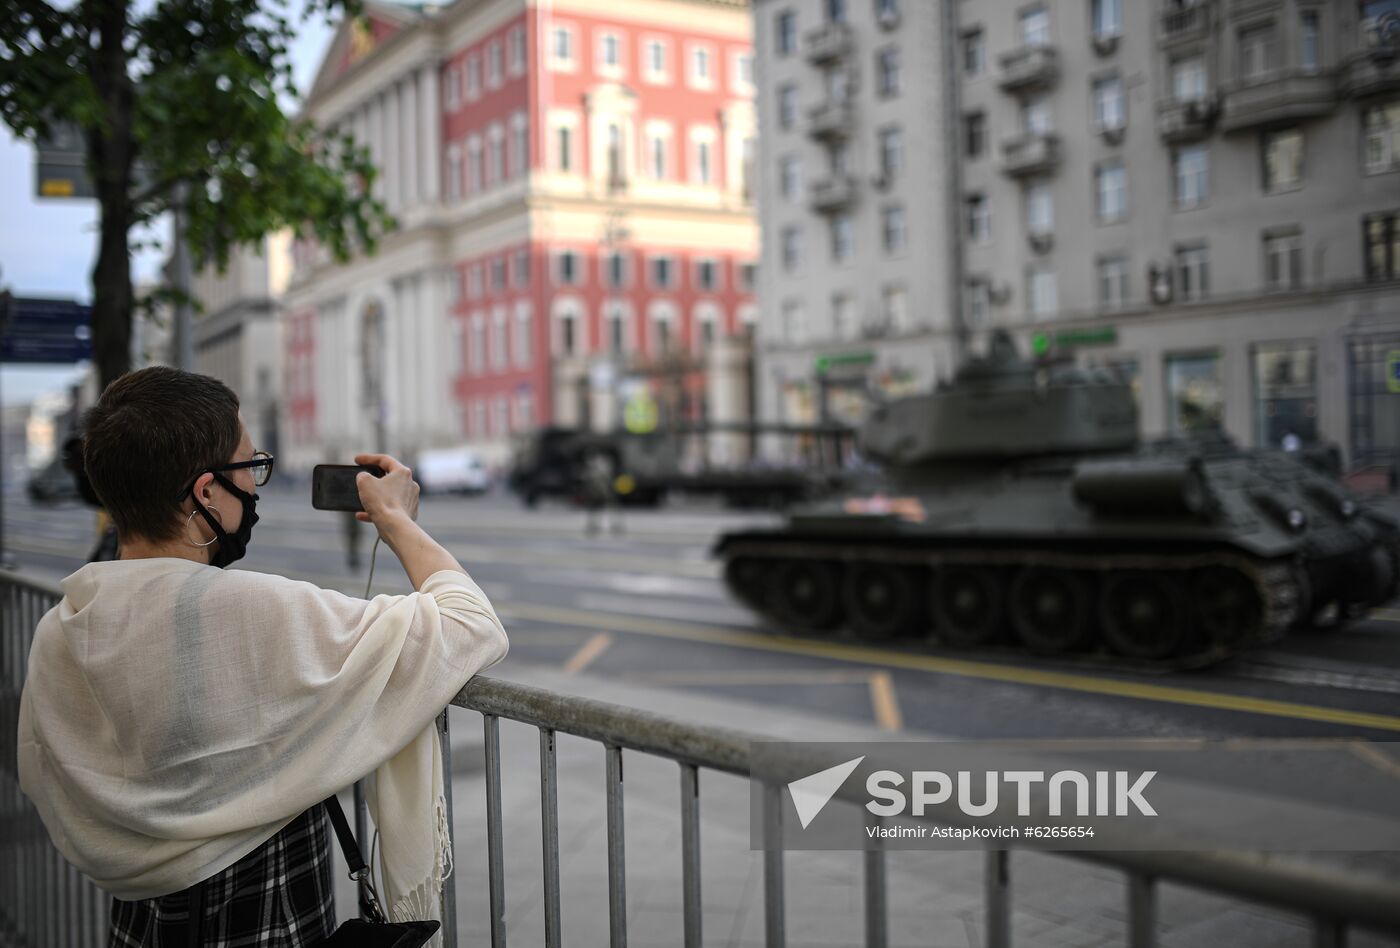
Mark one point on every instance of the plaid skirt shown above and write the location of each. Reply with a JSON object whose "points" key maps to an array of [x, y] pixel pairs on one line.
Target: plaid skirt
{"points": [[278, 896]]}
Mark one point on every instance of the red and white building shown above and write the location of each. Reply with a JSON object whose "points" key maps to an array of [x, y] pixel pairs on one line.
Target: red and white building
{"points": [[571, 180]]}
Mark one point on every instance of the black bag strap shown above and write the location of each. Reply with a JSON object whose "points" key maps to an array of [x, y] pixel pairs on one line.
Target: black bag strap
{"points": [[195, 925], [353, 858]]}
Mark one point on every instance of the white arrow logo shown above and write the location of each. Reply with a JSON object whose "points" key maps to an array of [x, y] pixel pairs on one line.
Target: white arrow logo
{"points": [[810, 795]]}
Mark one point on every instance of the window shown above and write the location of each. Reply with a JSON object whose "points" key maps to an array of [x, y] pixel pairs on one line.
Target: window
{"points": [[836, 11], [1257, 51], [887, 72], [516, 41], [476, 351], [617, 328], [893, 233], [564, 148], [454, 173], [842, 239], [1113, 282], [522, 269], [495, 154], [1035, 116], [617, 276], [1189, 79], [785, 32], [494, 73], [562, 47], [524, 411], [521, 333], [794, 321], [498, 275], [1108, 103], [616, 176], [451, 92], [790, 178], [1283, 261], [662, 328], [706, 321], [1111, 190], [1035, 27], [979, 219], [887, 11], [701, 172], [1040, 209], [701, 68], [1107, 18], [706, 276], [838, 159], [566, 268], [1381, 146], [473, 77], [520, 144], [1283, 160], [748, 277], [843, 317], [500, 415], [1285, 393], [891, 143], [1309, 41], [791, 248], [654, 61], [743, 72], [663, 272], [1382, 236], [657, 146], [1192, 273], [975, 134], [974, 54], [1195, 397], [787, 106], [498, 338], [474, 166], [894, 308], [979, 303], [568, 332], [1042, 291], [1191, 168], [609, 53], [838, 85]]}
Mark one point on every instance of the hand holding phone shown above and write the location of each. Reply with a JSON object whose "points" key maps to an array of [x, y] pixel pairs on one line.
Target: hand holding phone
{"points": [[395, 493], [333, 486]]}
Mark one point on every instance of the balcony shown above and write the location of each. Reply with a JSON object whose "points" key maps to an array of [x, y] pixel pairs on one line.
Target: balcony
{"points": [[1034, 153], [1282, 96], [1370, 72], [832, 195], [1186, 120], [1029, 67], [828, 43], [830, 121], [1182, 24]]}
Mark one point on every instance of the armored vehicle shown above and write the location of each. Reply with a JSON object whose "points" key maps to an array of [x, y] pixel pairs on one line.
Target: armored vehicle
{"points": [[1016, 505]]}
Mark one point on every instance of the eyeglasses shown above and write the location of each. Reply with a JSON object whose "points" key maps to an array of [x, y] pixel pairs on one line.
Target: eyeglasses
{"points": [[260, 464]]}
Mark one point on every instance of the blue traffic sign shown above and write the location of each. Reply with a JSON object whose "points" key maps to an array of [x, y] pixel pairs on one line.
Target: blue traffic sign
{"points": [[46, 331]]}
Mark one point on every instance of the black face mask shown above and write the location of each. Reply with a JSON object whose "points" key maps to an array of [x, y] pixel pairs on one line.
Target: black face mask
{"points": [[232, 546]]}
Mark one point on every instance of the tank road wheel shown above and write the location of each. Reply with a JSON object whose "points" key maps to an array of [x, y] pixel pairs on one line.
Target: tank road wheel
{"points": [[806, 595], [881, 600], [1050, 609], [967, 605], [1143, 615], [749, 579], [1227, 606]]}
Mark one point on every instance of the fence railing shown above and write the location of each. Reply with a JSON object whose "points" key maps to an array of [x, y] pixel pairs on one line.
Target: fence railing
{"points": [[45, 902]]}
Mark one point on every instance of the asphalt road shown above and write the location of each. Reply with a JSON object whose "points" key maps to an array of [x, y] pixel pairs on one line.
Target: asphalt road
{"points": [[648, 607]]}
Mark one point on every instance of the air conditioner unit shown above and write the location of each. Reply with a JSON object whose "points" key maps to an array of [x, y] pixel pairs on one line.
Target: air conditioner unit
{"points": [[1113, 134], [1041, 241]]}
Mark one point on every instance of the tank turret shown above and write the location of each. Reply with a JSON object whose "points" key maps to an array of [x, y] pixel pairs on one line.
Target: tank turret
{"points": [[1015, 507]]}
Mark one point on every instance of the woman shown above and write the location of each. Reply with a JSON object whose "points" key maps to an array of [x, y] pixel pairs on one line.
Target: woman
{"points": [[181, 723]]}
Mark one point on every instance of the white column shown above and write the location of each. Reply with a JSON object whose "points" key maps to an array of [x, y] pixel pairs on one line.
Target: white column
{"points": [[430, 133], [389, 102], [411, 169], [376, 143]]}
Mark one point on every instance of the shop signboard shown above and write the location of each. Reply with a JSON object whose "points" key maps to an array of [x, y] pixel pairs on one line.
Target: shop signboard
{"points": [[1392, 370]]}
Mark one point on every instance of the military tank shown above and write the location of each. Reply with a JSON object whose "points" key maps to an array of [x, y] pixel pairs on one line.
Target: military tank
{"points": [[1016, 507]]}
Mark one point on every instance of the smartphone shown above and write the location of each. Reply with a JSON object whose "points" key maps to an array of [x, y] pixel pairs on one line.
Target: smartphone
{"points": [[333, 485]]}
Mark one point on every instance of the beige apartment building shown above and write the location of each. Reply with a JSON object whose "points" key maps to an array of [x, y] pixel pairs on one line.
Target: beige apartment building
{"points": [[1203, 194]]}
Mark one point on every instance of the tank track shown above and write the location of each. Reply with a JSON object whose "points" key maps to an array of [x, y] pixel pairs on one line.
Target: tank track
{"points": [[1274, 583]]}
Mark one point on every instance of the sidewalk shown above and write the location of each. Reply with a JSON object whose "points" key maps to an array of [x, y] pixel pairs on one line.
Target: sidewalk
{"points": [[935, 899]]}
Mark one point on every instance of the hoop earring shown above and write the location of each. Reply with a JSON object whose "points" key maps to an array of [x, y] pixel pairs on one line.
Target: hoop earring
{"points": [[191, 517]]}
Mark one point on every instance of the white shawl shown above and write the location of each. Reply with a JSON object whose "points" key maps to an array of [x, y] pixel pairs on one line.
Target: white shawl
{"points": [[176, 716]]}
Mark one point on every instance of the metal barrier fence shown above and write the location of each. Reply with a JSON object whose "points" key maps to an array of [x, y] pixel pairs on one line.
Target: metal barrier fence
{"points": [[43, 901]]}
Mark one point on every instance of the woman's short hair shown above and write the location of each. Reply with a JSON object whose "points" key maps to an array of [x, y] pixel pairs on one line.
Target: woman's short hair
{"points": [[149, 435]]}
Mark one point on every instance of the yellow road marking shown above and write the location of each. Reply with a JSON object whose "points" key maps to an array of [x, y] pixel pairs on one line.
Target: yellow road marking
{"points": [[966, 668], [882, 698], [1377, 758], [587, 653]]}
